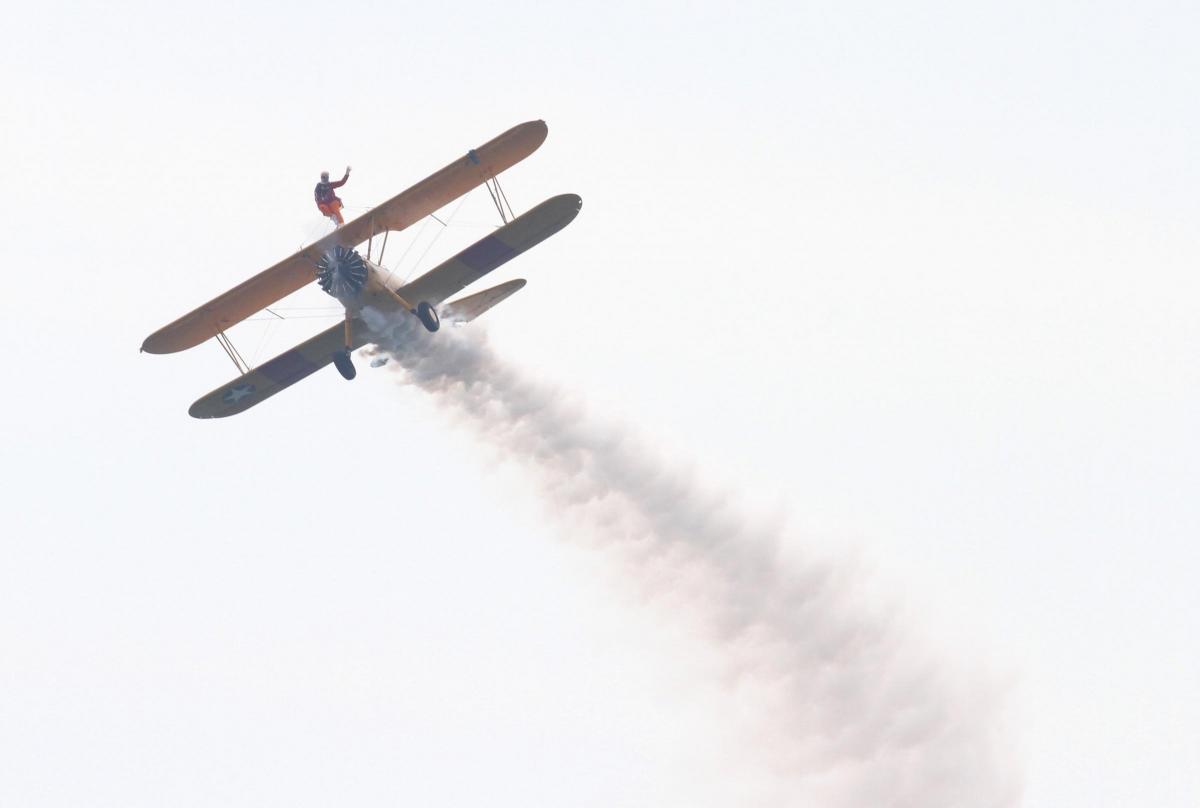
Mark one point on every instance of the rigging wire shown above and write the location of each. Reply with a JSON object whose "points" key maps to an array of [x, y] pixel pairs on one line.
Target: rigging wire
{"points": [[424, 224], [445, 226], [326, 316], [263, 339], [276, 309]]}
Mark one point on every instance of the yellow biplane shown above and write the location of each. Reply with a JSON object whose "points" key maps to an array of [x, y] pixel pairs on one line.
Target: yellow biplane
{"points": [[360, 283]]}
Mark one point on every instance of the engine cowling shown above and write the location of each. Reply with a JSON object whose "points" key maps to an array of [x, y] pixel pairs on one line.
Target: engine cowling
{"points": [[342, 272]]}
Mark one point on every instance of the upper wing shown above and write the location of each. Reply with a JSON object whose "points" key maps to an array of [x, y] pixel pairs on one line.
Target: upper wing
{"points": [[491, 251], [283, 371], [402, 210]]}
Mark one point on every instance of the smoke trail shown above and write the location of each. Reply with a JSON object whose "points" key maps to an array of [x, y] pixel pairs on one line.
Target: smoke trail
{"points": [[862, 718]]}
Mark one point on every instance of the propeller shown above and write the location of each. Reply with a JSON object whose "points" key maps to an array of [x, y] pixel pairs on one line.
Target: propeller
{"points": [[342, 272]]}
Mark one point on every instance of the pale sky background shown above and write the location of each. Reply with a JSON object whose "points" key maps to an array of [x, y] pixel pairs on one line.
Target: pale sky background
{"points": [[920, 277]]}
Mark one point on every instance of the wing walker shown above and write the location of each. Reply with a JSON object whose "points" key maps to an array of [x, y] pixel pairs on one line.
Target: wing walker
{"points": [[360, 283]]}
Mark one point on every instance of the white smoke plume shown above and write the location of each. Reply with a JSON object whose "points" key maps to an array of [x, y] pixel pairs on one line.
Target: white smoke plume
{"points": [[857, 718]]}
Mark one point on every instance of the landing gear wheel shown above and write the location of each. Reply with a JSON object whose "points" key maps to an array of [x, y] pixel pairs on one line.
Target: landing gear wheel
{"points": [[428, 316], [341, 361]]}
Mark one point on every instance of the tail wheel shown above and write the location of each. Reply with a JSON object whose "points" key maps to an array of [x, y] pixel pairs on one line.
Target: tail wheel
{"points": [[428, 316], [342, 361]]}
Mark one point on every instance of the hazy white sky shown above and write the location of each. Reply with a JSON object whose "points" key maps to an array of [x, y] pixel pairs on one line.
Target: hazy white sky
{"points": [[922, 278]]}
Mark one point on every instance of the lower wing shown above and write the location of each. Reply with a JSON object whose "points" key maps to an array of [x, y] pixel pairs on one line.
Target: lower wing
{"points": [[514, 238], [283, 371]]}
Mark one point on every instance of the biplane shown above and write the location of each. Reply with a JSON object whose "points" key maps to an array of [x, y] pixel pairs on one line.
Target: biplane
{"points": [[360, 282]]}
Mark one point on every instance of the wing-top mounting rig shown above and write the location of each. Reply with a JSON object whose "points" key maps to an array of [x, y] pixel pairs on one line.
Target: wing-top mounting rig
{"points": [[361, 285]]}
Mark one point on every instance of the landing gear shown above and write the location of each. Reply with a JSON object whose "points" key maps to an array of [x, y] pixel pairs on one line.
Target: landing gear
{"points": [[428, 316], [342, 361]]}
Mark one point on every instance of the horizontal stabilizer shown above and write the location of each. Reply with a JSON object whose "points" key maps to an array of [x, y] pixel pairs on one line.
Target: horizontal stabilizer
{"points": [[466, 309]]}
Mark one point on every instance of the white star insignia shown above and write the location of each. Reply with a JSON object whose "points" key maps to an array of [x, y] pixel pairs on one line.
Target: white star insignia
{"points": [[236, 394]]}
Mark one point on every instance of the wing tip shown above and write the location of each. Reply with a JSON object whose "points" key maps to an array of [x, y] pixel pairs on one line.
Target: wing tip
{"points": [[536, 131], [198, 410], [151, 345]]}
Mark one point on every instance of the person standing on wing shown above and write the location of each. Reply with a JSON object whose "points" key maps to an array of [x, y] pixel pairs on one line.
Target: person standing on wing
{"points": [[327, 201]]}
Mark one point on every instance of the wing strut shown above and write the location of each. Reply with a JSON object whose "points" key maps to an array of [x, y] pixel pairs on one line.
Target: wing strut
{"points": [[227, 344], [501, 200], [383, 247]]}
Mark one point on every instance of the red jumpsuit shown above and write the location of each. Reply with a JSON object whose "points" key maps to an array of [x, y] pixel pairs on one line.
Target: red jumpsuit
{"points": [[327, 201]]}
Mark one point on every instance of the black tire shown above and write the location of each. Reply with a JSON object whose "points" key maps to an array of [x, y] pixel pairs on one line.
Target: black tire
{"points": [[428, 316], [345, 366]]}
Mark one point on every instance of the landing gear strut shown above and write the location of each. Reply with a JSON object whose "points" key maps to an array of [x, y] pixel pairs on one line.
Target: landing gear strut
{"points": [[341, 359]]}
